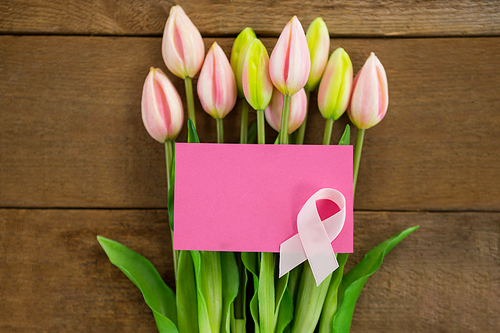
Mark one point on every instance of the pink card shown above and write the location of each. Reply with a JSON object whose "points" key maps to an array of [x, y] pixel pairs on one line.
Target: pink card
{"points": [[234, 197]]}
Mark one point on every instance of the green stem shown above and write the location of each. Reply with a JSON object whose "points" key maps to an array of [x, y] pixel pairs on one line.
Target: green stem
{"points": [[261, 127], [302, 128], [169, 156], [266, 295], [220, 130], [175, 254], [190, 100], [357, 157], [327, 136], [284, 120], [244, 121]]}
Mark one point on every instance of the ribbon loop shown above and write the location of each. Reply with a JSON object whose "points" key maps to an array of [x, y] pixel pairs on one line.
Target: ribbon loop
{"points": [[313, 241]]}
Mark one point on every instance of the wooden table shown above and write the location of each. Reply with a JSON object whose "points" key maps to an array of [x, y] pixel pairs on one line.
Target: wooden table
{"points": [[76, 161]]}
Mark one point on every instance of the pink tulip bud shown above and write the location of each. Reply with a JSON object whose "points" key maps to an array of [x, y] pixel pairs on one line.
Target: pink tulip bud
{"points": [[162, 112], [290, 62], [370, 95], [298, 109], [216, 84], [182, 45]]}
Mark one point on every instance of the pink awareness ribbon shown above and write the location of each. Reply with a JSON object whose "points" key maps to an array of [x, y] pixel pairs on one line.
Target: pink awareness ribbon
{"points": [[313, 242]]}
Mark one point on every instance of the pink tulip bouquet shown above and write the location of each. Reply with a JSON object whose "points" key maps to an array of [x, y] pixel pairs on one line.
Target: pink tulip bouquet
{"points": [[241, 292]]}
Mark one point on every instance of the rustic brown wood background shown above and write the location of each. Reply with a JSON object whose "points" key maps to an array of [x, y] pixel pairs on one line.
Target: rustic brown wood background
{"points": [[75, 160]]}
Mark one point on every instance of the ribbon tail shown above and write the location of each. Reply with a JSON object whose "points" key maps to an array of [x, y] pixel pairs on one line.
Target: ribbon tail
{"points": [[321, 272], [291, 254]]}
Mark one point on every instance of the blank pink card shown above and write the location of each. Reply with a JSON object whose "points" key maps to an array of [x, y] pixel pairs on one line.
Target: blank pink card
{"points": [[234, 197]]}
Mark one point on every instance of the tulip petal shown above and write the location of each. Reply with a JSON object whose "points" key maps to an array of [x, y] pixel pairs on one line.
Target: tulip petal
{"points": [[216, 84], [162, 111], [335, 87], [290, 62], [238, 55], [182, 46], [370, 97], [298, 110], [257, 85], [318, 42]]}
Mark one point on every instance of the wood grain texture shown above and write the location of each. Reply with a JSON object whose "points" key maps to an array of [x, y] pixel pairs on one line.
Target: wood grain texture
{"points": [[55, 278], [224, 17], [72, 134]]}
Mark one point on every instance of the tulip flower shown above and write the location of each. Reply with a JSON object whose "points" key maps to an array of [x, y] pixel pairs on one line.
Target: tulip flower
{"points": [[162, 112], [318, 41], [289, 66], [335, 88], [370, 96], [298, 105], [369, 102], [217, 86], [183, 51], [240, 47], [290, 61], [238, 53], [257, 84], [182, 45]]}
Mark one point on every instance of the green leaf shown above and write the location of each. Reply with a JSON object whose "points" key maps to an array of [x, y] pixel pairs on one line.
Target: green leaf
{"points": [[294, 281], [250, 260], [331, 299], [254, 305], [203, 316], [285, 314], [238, 315], [187, 306], [192, 135], [252, 132], [354, 281], [310, 301], [170, 204], [282, 315], [230, 287], [159, 297], [345, 140], [207, 266]]}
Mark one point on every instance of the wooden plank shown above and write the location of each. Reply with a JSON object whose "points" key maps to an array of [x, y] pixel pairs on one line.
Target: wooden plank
{"points": [[216, 18], [72, 134], [55, 277], [54, 272]]}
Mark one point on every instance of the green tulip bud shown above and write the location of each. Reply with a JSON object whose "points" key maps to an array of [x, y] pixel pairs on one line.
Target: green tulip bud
{"points": [[240, 46], [256, 81], [318, 41]]}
